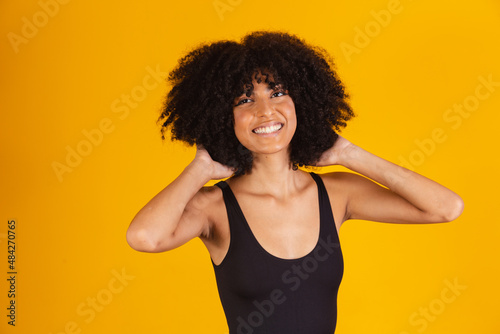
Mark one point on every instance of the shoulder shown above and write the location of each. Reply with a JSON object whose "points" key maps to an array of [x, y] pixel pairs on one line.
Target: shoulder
{"points": [[344, 181], [348, 185], [340, 187], [209, 202], [338, 180], [206, 196]]}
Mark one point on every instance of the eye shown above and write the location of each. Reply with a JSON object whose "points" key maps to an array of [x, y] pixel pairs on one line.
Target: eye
{"points": [[279, 93], [242, 101]]}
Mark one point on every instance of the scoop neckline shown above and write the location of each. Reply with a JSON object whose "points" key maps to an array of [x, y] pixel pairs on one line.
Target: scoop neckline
{"points": [[247, 226]]}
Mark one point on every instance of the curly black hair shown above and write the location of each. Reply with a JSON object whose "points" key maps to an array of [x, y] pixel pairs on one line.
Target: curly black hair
{"points": [[199, 107]]}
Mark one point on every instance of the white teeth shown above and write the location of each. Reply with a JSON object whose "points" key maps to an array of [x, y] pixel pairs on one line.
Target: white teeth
{"points": [[268, 129]]}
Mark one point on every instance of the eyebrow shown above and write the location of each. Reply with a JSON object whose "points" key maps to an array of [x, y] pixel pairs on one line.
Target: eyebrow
{"points": [[272, 86]]}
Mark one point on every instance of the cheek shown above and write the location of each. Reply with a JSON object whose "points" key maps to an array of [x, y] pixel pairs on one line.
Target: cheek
{"points": [[291, 115], [239, 121], [240, 126], [289, 106]]}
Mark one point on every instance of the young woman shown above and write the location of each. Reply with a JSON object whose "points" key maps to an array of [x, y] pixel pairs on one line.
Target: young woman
{"points": [[256, 111]]}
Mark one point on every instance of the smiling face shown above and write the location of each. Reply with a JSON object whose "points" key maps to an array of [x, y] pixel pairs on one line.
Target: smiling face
{"points": [[264, 118]]}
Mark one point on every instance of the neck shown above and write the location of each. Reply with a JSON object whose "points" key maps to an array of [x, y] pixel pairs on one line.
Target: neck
{"points": [[272, 174]]}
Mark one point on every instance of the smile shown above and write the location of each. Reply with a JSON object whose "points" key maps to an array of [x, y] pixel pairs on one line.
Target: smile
{"points": [[268, 129]]}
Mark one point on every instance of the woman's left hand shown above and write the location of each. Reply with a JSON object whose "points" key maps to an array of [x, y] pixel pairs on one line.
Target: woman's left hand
{"points": [[338, 154]]}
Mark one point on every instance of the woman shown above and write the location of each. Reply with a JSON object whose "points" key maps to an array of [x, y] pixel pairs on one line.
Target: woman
{"points": [[257, 110]]}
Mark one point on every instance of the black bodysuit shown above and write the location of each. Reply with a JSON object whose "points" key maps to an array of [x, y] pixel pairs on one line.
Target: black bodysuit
{"points": [[261, 293]]}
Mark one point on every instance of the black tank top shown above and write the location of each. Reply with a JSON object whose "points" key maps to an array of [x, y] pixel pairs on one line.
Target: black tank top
{"points": [[261, 293]]}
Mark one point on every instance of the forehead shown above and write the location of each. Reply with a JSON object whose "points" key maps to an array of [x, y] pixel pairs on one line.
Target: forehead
{"points": [[260, 78]]}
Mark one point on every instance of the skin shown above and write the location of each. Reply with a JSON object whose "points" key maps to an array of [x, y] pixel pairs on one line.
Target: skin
{"points": [[286, 223]]}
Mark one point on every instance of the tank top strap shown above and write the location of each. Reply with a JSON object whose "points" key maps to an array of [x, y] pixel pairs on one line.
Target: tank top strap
{"points": [[222, 185], [328, 223], [234, 213]]}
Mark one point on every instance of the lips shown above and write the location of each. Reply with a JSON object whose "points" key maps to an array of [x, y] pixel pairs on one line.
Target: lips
{"points": [[271, 128]]}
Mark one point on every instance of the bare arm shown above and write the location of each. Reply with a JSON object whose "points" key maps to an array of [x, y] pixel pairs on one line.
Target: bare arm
{"points": [[410, 197], [177, 213]]}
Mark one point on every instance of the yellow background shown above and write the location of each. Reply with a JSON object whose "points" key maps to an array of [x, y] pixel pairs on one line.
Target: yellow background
{"points": [[70, 75]]}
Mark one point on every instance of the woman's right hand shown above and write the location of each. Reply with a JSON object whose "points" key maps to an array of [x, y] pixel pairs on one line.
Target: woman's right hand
{"points": [[214, 169]]}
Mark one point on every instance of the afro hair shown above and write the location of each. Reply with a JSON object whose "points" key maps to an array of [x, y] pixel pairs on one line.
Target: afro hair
{"points": [[198, 108]]}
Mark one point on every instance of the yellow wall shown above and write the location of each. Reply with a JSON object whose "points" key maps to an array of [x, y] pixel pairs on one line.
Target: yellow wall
{"points": [[66, 70]]}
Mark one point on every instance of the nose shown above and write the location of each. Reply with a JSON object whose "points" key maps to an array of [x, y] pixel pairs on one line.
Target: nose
{"points": [[265, 108]]}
